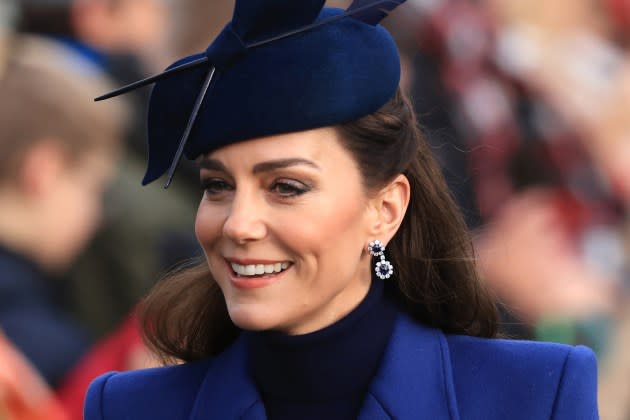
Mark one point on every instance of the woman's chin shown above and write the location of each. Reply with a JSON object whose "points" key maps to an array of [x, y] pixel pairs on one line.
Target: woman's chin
{"points": [[251, 318]]}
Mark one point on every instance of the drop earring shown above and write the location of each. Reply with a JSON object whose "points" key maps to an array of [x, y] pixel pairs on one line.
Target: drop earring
{"points": [[384, 268]]}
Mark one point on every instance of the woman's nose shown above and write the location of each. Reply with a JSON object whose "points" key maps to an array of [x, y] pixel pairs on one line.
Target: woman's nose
{"points": [[244, 222]]}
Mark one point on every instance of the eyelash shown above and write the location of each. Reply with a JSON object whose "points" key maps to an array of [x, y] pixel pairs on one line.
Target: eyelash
{"points": [[212, 187], [218, 185]]}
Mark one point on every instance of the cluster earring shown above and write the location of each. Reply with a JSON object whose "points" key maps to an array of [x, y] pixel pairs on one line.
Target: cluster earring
{"points": [[384, 268]]}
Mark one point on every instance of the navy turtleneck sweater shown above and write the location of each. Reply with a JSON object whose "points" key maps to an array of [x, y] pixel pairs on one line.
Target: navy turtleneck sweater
{"points": [[324, 374]]}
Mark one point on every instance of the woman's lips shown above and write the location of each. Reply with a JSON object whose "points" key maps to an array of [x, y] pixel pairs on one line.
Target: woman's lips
{"points": [[259, 269], [256, 275]]}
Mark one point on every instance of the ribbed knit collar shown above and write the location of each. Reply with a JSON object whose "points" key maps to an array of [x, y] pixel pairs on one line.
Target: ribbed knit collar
{"points": [[336, 361]]}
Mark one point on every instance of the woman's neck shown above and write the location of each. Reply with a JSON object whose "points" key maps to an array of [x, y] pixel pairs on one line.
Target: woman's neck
{"points": [[339, 307], [330, 364]]}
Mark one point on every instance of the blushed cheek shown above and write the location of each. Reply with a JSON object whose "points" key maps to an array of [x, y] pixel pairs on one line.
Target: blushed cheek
{"points": [[201, 230], [198, 229], [204, 237], [344, 219], [335, 242], [207, 227]]}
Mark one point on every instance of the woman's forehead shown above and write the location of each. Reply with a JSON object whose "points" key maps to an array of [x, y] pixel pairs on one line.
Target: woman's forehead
{"points": [[318, 145]]}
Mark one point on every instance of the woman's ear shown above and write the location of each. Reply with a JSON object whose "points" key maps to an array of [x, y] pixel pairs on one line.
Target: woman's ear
{"points": [[389, 206]]}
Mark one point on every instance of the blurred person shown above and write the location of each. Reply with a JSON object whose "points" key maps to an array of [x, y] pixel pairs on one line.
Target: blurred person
{"points": [[571, 56], [538, 95], [57, 158], [105, 29], [296, 310], [521, 172], [529, 259], [123, 37], [574, 55], [131, 27], [194, 23], [102, 284]]}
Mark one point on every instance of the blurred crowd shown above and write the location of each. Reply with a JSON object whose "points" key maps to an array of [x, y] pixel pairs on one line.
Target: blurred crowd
{"points": [[526, 105]]}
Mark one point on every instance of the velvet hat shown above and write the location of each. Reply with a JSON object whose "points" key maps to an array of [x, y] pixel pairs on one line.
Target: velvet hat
{"points": [[278, 66]]}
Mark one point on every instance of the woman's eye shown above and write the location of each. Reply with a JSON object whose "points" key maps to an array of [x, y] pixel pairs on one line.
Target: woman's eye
{"points": [[289, 188], [214, 186]]}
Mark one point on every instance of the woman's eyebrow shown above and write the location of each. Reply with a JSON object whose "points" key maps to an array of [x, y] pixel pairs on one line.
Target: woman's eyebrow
{"points": [[267, 166], [212, 164], [272, 165]]}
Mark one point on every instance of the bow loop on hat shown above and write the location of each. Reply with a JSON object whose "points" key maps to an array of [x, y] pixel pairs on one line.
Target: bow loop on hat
{"points": [[372, 12], [256, 19], [226, 49]]}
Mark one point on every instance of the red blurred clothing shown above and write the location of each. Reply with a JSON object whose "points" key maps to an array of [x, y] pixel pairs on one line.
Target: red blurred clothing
{"points": [[514, 138], [121, 350], [23, 393]]}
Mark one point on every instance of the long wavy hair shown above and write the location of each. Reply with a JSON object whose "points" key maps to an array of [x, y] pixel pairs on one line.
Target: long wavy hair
{"points": [[436, 282]]}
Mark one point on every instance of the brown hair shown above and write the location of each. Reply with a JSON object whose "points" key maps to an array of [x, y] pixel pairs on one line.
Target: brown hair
{"points": [[435, 281], [48, 95]]}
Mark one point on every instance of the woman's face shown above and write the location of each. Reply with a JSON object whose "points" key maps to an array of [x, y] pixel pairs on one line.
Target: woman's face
{"points": [[291, 207]]}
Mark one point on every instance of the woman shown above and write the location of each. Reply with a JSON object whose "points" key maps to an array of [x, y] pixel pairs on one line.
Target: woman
{"points": [[338, 279]]}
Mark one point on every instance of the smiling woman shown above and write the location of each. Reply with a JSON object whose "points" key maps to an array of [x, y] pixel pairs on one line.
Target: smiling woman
{"points": [[253, 213], [289, 315], [309, 202]]}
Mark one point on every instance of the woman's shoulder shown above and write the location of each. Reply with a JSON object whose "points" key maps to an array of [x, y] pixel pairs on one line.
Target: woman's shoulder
{"points": [[510, 351], [163, 392], [518, 356], [558, 380]]}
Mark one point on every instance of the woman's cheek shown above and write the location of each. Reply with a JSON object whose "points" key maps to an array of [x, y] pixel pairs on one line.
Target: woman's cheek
{"points": [[206, 224], [199, 228]]}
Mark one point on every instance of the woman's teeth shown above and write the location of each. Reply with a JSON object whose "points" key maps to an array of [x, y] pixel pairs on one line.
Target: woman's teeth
{"points": [[259, 269]]}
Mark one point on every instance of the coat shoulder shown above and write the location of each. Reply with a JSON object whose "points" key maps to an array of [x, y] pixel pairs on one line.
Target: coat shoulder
{"points": [[158, 393], [534, 379]]}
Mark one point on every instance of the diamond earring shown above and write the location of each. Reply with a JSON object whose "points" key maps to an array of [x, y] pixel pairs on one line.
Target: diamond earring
{"points": [[384, 268]]}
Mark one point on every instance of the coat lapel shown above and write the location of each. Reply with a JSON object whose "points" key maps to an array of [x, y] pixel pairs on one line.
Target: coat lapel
{"points": [[228, 391], [414, 381], [415, 378]]}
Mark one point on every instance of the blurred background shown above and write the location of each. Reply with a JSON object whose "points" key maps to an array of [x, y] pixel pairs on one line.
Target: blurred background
{"points": [[525, 103]]}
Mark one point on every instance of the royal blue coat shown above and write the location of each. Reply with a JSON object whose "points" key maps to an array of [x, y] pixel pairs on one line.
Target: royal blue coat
{"points": [[425, 374]]}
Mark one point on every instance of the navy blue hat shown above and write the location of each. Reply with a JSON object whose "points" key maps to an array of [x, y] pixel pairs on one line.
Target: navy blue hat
{"points": [[279, 66]]}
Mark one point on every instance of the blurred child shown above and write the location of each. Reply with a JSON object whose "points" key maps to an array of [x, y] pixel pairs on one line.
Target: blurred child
{"points": [[56, 156]]}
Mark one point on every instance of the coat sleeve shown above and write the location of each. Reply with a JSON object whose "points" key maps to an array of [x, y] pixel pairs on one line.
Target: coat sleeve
{"points": [[576, 397], [93, 409]]}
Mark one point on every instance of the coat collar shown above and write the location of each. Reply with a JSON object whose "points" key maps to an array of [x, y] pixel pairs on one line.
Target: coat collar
{"points": [[415, 378], [228, 391]]}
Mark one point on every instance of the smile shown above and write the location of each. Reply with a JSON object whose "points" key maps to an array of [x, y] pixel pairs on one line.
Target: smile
{"points": [[250, 270]]}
